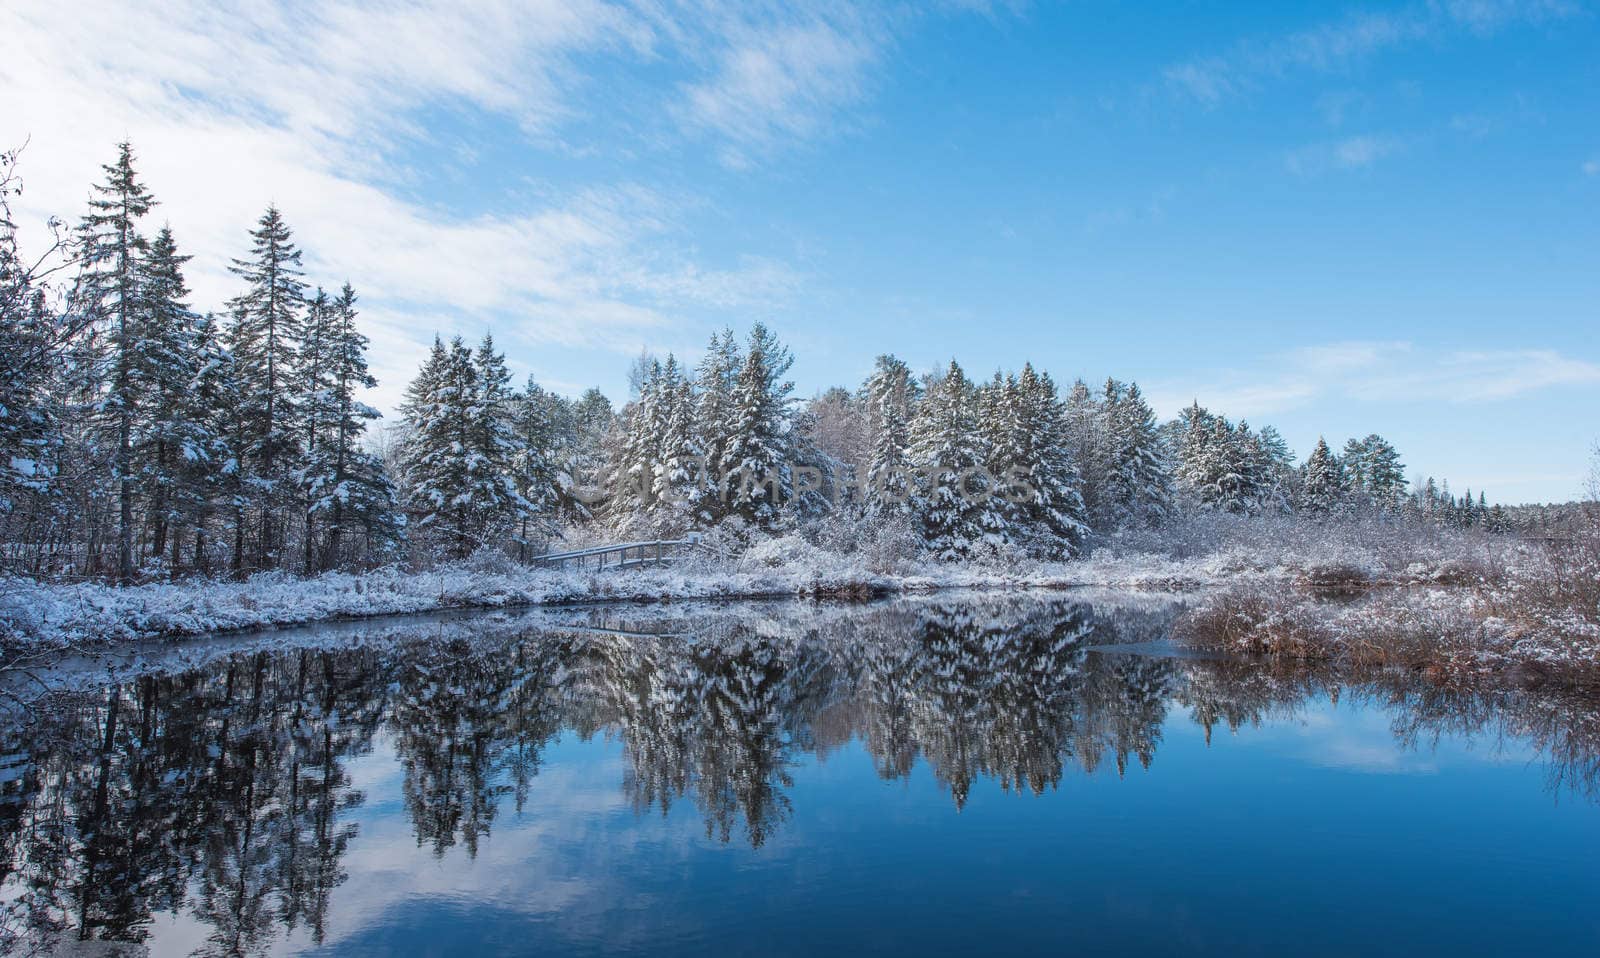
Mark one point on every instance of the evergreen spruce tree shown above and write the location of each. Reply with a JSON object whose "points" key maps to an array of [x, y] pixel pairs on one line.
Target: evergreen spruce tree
{"points": [[210, 455], [30, 336], [952, 504], [112, 248], [1324, 482], [1137, 481], [313, 401], [678, 479], [169, 361], [440, 415], [639, 449], [1383, 474], [1354, 462], [30, 434], [717, 379], [1263, 481], [1005, 443], [1085, 434], [755, 462], [347, 490], [267, 319], [544, 428], [500, 506], [1050, 507], [1200, 459], [891, 393], [594, 423]]}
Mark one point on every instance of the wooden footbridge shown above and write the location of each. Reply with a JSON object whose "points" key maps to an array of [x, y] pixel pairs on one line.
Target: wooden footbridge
{"points": [[624, 555]]}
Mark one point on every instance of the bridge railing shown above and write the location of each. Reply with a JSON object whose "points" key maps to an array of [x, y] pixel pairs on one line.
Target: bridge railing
{"points": [[622, 555]]}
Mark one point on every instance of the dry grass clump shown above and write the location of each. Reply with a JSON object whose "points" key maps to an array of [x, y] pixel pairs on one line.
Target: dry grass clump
{"points": [[1395, 631], [1549, 596], [1461, 572], [1388, 630], [1336, 579], [1252, 622]]}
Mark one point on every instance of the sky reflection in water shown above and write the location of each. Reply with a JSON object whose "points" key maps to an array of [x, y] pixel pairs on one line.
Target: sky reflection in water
{"points": [[925, 776]]}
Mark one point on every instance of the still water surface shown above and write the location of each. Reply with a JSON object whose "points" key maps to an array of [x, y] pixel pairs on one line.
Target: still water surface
{"points": [[923, 777]]}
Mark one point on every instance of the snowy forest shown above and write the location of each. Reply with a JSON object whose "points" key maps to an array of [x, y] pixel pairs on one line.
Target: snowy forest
{"points": [[144, 436]]}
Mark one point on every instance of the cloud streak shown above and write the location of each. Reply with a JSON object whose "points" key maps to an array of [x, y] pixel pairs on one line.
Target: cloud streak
{"points": [[311, 106], [1381, 372], [1338, 44], [1350, 153]]}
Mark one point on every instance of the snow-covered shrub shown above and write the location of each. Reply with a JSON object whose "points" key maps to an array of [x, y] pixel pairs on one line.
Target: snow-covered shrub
{"points": [[889, 545], [1251, 621], [789, 552], [490, 560]]}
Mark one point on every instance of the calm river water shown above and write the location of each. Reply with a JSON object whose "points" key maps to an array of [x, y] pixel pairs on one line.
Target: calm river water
{"points": [[937, 776]]}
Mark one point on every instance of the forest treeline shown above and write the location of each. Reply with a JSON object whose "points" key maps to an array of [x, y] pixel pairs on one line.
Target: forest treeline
{"points": [[141, 436]]}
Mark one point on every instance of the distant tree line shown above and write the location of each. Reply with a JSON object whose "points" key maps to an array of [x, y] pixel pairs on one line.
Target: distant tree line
{"points": [[142, 437]]}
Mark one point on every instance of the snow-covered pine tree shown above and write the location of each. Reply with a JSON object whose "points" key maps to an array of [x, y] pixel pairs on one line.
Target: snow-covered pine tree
{"points": [[1429, 499], [112, 248], [312, 399], [678, 477], [634, 455], [1143, 479], [952, 504], [1324, 483], [1263, 473], [891, 395], [1219, 474], [1003, 438], [169, 361], [1353, 467], [716, 380], [594, 424], [544, 433], [439, 414], [755, 464], [210, 455], [1085, 431], [30, 437], [501, 508], [1279, 463], [1047, 509], [1199, 459], [266, 328], [1374, 469], [348, 491]]}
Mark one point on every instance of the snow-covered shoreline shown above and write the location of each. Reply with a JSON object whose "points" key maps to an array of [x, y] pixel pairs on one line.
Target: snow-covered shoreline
{"points": [[1447, 608], [43, 615]]}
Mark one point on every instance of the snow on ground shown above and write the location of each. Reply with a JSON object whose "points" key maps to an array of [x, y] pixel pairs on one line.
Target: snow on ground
{"points": [[84, 614], [1471, 597]]}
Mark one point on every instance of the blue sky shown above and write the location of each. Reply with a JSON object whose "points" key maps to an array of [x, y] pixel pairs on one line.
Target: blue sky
{"points": [[1336, 219]]}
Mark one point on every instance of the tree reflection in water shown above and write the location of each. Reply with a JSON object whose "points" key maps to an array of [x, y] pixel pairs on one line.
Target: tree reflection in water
{"points": [[222, 791]]}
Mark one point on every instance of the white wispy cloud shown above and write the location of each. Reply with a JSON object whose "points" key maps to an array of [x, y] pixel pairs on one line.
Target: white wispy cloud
{"points": [[1339, 43], [1378, 372], [309, 105], [1349, 153], [777, 82]]}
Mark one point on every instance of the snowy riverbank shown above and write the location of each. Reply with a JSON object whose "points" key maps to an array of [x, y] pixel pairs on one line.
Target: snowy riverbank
{"points": [[1422, 606], [38, 615]]}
